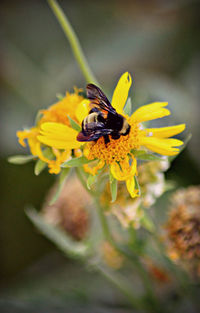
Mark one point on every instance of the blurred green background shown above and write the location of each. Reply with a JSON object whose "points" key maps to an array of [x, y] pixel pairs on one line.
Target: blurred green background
{"points": [[156, 41]]}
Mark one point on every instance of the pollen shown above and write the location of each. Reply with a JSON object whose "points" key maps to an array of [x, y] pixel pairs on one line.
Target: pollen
{"points": [[117, 149]]}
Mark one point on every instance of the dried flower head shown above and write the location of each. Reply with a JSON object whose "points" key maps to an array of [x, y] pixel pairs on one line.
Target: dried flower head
{"points": [[183, 226], [70, 209]]}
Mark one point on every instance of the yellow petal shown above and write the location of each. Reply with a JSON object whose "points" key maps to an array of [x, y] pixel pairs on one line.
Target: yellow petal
{"points": [[164, 132], [82, 110], [123, 171], [26, 134], [150, 112], [61, 156], [58, 136], [130, 184], [161, 145], [120, 94], [39, 153], [93, 170]]}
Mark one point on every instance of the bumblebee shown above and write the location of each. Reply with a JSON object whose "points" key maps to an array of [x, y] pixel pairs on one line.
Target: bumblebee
{"points": [[102, 120]]}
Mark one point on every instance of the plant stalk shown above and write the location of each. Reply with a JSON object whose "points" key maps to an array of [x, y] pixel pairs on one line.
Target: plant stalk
{"points": [[74, 41]]}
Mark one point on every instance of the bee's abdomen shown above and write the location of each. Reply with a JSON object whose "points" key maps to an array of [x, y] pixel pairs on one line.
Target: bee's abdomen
{"points": [[91, 118], [125, 128]]}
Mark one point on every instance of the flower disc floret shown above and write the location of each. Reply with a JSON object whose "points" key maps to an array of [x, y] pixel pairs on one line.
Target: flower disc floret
{"points": [[116, 150]]}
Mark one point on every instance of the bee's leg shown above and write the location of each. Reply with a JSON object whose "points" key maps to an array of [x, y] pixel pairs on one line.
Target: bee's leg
{"points": [[106, 139]]}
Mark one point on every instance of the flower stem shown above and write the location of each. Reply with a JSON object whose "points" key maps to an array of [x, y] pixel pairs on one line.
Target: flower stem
{"points": [[73, 40], [153, 303]]}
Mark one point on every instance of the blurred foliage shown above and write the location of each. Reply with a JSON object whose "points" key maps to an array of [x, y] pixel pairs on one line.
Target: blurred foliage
{"points": [[32, 291]]}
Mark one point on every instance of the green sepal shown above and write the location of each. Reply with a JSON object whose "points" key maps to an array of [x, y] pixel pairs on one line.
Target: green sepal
{"points": [[128, 107], [137, 186], [38, 117], [145, 156], [91, 181], [39, 167], [149, 157], [137, 153], [73, 124], [20, 159], [61, 181], [59, 96], [113, 188], [75, 162], [173, 157]]}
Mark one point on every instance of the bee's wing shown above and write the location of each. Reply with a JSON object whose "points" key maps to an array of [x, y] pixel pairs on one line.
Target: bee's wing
{"points": [[93, 131], [98, 98]]}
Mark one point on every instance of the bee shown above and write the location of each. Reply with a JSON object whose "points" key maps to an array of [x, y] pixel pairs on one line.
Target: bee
{"points": [[102, 120]]}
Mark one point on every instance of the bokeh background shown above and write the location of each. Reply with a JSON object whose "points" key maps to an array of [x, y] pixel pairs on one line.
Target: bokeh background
{"points": [[158, 43]]}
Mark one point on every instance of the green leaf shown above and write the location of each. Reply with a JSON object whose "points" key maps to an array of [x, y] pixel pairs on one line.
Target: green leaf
{"points": [[75, 162], [128, 107], [73, 124], [91, 181], [60, 238], [20, 159], [173, 157], [39, 167], [113, 188], [61, 182]]}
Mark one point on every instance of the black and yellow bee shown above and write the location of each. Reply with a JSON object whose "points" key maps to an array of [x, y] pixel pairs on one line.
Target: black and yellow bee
{"points": [[102, 120]]}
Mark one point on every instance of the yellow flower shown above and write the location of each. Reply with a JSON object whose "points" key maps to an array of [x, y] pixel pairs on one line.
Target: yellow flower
{"points": [[70, 105], [118, 154]]}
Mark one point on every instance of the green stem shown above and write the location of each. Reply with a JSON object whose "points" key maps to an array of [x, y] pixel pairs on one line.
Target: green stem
{"points": [[152, 304], [73, 40], [82, 180], [155, 305], [104, 223]]}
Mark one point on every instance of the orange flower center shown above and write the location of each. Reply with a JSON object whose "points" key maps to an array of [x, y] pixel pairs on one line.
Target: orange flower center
{"points": [[117, 149]]}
